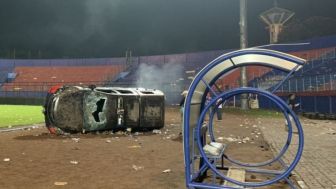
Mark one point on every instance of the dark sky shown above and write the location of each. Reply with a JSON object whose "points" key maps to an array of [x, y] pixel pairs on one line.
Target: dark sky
{"points": [[106, 28]]}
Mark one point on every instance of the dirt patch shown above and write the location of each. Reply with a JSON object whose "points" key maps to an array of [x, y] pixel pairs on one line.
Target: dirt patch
{"points": [[40, 160]]}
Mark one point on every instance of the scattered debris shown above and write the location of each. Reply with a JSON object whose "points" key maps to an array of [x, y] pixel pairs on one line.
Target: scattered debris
{"points": [[138, 168], [75, 139], [138, 133], [129, 129], [169, 137], [108, 141], [230, 139], [156, 131], [60, 183], [301, 184], [6, 159], [119, 133], [166, 132], [236, 139], [134, 146], [166, 171], [245, 139], [74, 162], [331, 131]]}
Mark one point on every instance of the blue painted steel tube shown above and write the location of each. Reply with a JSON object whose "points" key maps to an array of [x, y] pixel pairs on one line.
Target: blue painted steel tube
{"points": [[210, 186], [198, 79], [284, 79], [203, 168], [276, 158], [285, 109]]}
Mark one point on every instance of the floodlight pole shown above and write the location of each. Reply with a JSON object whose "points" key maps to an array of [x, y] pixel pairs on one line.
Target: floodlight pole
{"points": [[275, 25], [243, 45]]}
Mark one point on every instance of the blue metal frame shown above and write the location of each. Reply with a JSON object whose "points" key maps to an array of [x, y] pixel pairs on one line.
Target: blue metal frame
{"points": [[283, 106], [191, 177], [276, 158]]}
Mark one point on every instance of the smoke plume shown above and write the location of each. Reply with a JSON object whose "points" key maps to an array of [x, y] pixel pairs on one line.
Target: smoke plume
{"points": [[159, 76]]}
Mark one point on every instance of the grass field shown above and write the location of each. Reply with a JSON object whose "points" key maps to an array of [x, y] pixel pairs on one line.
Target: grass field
{"points": [[254, 112], [15, 115]]}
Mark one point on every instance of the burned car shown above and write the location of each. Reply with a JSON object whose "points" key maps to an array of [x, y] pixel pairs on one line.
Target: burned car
{"points": [[84, 109]]}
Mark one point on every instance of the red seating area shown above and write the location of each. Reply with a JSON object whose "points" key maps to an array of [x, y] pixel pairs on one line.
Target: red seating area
{"points": [[312, 54], [232, 80], [41, 78]]}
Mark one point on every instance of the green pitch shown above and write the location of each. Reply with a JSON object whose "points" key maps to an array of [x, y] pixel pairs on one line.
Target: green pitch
{"points": [[14, 115], [254, 112]]}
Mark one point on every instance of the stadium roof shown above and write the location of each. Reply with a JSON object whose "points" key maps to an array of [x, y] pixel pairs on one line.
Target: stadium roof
{"points": [[309, 44]]}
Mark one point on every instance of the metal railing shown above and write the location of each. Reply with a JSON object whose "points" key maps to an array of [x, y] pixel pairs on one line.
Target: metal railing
{"points": [[305, 79], [325, 82]]}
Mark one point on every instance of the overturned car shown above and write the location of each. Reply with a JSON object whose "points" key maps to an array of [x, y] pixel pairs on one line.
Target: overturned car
{"points": [[84, 109]]}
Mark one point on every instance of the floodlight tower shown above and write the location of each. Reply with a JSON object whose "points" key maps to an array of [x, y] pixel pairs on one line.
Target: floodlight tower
{"points": [[275, 18], [243, 45]]}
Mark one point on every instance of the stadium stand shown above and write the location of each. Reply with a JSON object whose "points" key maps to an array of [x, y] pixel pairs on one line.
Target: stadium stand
{"points": [[35, 76], [314, 85], [315, 74], [41, 78]]}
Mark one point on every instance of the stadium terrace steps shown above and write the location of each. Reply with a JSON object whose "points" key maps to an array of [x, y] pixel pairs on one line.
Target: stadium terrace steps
{"points": [[41, 78], [316, 73]]}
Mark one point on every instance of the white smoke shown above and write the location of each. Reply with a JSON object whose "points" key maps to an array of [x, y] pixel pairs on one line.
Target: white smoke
{"points": [[159, 76]]}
